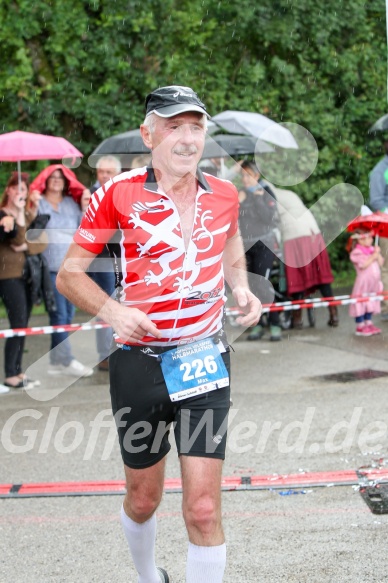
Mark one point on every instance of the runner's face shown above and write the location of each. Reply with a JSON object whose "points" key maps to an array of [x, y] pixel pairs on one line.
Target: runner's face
{"points": [[177, 143]]}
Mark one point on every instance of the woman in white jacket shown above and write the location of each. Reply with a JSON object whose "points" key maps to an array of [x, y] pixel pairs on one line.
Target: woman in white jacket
{"points": [[306, 259]]}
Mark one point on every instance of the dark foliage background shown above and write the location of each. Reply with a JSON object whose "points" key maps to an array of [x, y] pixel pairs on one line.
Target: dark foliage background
{"points": [[81, 69]]}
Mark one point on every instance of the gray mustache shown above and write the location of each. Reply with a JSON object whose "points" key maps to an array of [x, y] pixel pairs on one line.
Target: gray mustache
{"points": [[192, 150]]}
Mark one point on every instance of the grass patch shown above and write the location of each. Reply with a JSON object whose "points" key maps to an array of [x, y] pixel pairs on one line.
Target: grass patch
{"points": [[344, 279]]}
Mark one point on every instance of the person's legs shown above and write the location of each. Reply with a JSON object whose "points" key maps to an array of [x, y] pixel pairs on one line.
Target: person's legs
{"points": [[257, 331], [363, 325], [62, 360], [369, 326], [140, 400], [105, 279], [201, 484], [383, 244], [327, 292], [260, 260], [14, 295], [144, 493], [297, 315], [61, 352]]}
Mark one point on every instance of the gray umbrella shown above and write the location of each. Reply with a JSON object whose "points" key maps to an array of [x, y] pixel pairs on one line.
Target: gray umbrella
{"points": [[125, 146], [221, 145], [381, 125], [130, 144], [126, 143]]}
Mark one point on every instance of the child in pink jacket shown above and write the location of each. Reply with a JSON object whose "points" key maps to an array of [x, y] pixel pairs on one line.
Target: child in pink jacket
{"points": [[367, 260]]}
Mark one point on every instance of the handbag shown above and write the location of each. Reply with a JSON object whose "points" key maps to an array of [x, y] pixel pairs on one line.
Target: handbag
{"points": [[37, 276], [38, 225]]}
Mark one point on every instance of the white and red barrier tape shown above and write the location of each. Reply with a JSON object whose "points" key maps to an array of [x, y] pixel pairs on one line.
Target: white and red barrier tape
{"points": [[36, 331], [314, 303], [233, 311], [229, 483]]}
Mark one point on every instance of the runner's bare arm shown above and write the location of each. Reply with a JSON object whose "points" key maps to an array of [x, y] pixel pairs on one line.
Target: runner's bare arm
{"points": [[236, 275], [129, 323]]}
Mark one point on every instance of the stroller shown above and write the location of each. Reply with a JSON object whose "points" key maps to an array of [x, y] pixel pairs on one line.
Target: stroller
{"points": [[278, 280]]}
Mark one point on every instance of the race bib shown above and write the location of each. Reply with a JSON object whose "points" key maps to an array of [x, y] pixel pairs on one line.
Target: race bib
{"points": [[194, 369]]}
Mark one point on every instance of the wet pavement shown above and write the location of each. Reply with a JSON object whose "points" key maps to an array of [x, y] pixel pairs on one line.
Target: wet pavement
{"points": [[289, 416]]}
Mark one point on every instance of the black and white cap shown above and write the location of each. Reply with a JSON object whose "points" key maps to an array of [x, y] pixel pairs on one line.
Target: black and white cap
{"points": [[172, 100]]}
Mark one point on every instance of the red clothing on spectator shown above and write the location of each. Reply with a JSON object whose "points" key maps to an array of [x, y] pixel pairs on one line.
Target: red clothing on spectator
{"points": [[76, 188]]}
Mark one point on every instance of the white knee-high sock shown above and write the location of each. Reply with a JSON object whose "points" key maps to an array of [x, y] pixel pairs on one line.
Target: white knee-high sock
{"points": [[141, 542], [205, 564]]}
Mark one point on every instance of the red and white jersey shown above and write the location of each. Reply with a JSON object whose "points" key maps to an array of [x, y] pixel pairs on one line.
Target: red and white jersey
{"points": [[181, 290]]}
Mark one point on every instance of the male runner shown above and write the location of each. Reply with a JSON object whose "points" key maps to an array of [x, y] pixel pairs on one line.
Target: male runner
{"points": [[177, 239]]}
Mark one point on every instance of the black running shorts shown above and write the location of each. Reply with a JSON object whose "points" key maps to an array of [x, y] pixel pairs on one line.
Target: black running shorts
{"points": [[144, 412]]}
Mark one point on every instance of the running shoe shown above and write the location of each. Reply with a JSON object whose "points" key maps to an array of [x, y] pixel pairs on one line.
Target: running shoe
{"points": [[55, 369], [30, 382], [276, 333], [373, 329], [164, 578], [77, 369], [256, 333], [74, 369], [363, 331]]}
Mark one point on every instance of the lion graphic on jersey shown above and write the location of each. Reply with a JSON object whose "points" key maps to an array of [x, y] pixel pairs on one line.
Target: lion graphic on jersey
{"points": [[165, 232]]}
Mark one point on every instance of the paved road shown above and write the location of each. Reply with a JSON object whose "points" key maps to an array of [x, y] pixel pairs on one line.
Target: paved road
{"points": [[286, 419]]}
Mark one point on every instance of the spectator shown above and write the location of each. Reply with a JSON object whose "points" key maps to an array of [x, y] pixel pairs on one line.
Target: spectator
{"points": [[378, 193], [305, 256], [367, 261], [141, 160], [101, 269], [217, 167], [56, 183], [258, 223], [106, 168], [14, 219], [208, 167]]}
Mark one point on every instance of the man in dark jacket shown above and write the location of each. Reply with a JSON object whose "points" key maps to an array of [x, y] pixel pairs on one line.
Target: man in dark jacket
{"points": [[378, 191], [259, 222], [101, 270]]}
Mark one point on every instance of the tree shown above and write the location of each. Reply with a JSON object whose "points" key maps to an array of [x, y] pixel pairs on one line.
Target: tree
{"points": [[81, 69]]}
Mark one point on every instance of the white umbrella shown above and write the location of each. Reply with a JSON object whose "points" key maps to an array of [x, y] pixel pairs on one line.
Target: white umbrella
{"points": [[365, 211], [255, 124], [381, 125]]}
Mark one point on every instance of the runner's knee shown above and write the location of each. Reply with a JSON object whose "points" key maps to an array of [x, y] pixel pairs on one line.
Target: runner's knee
{"points": [[202, 515], [140, 506]]}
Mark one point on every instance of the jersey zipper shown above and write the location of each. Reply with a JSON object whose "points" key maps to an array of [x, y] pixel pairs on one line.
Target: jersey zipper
{"points": [[185, 259]]}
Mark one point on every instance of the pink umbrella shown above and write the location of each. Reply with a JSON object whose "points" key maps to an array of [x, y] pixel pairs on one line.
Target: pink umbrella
{"points": [[376, 222], [19, 146]]}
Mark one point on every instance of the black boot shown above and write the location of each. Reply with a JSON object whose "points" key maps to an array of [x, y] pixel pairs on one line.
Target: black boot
{"points": [[333, 319]]}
